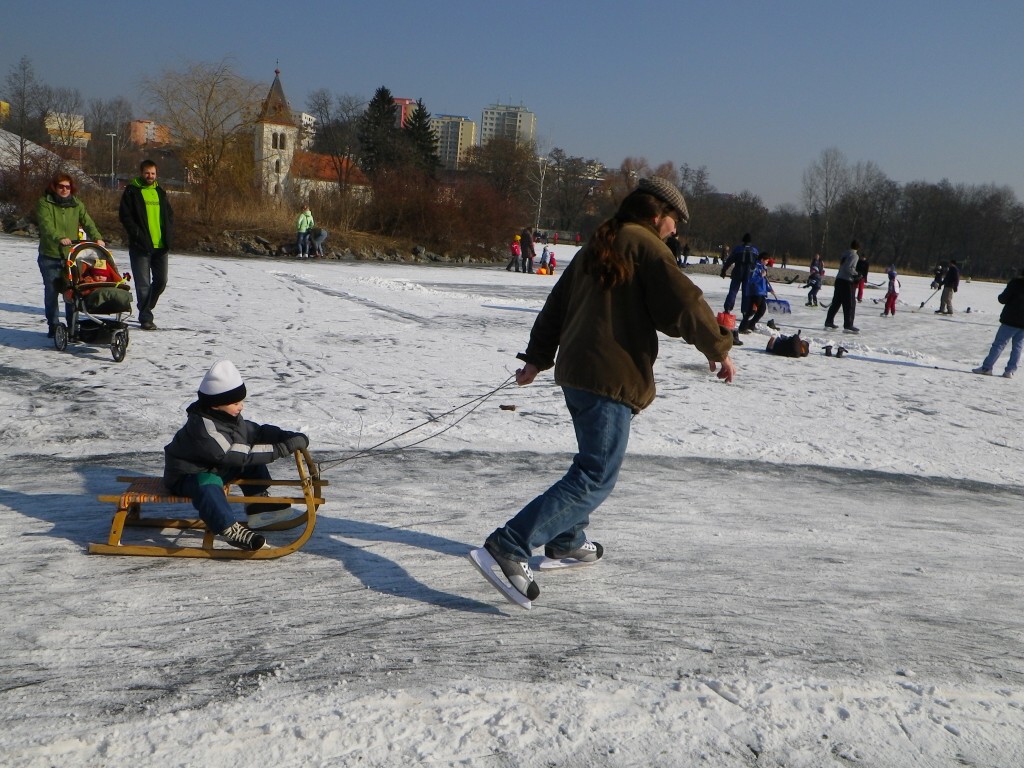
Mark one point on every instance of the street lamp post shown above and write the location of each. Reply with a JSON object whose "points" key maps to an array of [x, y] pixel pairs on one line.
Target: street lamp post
{"points": [[112, 137]]}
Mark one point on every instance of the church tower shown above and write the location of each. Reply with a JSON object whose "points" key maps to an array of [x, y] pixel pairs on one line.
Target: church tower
{"points": [[276, 139]]}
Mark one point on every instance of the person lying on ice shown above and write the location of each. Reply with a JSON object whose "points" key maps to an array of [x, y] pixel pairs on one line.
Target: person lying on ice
{"points": [[217, 446]]}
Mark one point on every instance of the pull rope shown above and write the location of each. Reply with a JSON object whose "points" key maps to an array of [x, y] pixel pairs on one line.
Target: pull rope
{"points": [[372, 450]]}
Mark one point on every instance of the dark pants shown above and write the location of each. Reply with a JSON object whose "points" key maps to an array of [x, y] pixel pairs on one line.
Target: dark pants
{"points": [[843, 297], [754, 312], [738, 284], [52, 270], [149, 273]]}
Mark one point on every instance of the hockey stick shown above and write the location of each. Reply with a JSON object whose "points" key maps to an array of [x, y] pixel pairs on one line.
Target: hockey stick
{"points": [[929, 298]]}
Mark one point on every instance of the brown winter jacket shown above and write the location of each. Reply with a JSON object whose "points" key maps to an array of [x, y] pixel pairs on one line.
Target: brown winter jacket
{"points": [[607, 340]]}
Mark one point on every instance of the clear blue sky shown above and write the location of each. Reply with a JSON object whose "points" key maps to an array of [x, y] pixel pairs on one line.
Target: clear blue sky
{"points": [[926, 89]]}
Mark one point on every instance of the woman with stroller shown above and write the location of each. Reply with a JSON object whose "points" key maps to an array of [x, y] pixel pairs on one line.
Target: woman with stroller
{"points": [[59, 215]]}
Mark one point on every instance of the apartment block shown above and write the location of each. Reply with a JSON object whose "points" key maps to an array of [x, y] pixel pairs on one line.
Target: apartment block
{"points": [[456, 134], [508, 122]]}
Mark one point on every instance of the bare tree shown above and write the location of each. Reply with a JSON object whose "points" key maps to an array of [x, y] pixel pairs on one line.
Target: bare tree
{"points": [[27, 99], [64, 119], [337, 138], [824, 182], [574, 181], [209, 108], [103, 118]]}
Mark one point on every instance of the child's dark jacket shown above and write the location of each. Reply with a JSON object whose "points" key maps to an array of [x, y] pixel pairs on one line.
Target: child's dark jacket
{"points": [[216, 442]]}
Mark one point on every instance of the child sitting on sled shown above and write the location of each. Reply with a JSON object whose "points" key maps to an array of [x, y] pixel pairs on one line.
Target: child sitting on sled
{"points": [[217, 446]]}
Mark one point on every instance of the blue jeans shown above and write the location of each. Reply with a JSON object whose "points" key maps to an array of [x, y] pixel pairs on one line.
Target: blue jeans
{"points": [[559, 515], [1004, 335], [737, 284], [52, 270], [207, 493], [302, 243], [149, 273]]}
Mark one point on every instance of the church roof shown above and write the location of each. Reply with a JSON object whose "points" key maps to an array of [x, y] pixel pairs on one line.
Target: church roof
{"points": [[275, 107], [315, 167]]}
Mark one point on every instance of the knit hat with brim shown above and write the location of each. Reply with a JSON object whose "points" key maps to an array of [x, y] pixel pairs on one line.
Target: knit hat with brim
{"points": [[222, 385], [668, 193]]}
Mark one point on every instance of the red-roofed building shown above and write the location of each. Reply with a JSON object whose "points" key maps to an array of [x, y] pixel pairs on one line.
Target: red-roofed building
{"points": [[282, 166]]}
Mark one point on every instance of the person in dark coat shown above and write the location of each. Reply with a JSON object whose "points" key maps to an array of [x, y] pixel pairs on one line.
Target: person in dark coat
{"points": [[1011, 329], [148, 219], [599, 330], [950, 283]]}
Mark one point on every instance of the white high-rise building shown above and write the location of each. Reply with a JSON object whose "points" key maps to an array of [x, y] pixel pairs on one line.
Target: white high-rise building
{"points": [[508, 122]]}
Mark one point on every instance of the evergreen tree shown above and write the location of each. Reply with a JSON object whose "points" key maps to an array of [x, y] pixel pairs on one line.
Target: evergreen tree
{"points": [[380, 137], [422, 139]]}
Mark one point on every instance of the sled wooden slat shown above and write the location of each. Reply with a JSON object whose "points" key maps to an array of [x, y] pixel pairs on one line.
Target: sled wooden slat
{"points": [[151, 490]]}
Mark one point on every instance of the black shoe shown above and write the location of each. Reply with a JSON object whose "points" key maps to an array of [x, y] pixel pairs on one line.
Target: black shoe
{"points": [[833, 326], [772, 325], [828, 351], [147, 325], [51, 331], [851, 329], [736, 342], [237, 535]]}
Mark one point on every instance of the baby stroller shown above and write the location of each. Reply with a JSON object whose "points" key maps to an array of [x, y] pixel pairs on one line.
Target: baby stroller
{"points": [[92, 287]]}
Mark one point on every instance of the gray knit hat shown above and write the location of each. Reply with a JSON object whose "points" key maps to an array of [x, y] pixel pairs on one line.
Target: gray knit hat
{"points": [[667, 192]]}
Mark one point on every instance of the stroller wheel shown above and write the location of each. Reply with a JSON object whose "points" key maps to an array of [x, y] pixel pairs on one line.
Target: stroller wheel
{"points": [[60, 337], [118, 345]]}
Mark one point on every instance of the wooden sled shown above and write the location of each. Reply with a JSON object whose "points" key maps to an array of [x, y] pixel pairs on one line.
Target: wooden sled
{"points": [[151, 490]]}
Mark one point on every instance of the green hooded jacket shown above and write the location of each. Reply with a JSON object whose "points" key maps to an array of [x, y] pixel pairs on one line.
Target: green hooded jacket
{"points": [[60, 218]]}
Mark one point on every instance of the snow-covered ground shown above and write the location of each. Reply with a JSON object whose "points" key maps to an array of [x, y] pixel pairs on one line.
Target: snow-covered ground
{"points": [[819, 564]]}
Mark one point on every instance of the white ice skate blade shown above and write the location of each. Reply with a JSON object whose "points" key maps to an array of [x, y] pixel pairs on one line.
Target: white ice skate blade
{"points": [[263, 519], [487, 565], [547, 564]]}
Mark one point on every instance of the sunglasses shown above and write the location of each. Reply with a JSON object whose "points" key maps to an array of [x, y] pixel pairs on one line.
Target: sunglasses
{"points": [[63, 186]]}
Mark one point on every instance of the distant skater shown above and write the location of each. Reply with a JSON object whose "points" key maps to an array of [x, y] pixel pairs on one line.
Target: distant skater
{"points": [[845, 287], [1011, 329], [892, 293]]}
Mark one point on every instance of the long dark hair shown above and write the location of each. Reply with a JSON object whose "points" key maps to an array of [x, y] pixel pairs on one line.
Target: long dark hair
{"points": [[603, 260]]}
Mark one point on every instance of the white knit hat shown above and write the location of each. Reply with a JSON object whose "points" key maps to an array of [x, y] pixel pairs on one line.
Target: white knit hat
{"points": [[222, 385]]}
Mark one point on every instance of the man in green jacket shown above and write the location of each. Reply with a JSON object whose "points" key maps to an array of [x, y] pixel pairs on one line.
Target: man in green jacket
{"points": [[149, 221]]}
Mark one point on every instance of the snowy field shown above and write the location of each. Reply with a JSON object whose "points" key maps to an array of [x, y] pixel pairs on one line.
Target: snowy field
{"points": [[817, 565]]}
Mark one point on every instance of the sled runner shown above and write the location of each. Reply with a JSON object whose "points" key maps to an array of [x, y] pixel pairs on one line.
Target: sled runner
{"points": [[150, 490]]}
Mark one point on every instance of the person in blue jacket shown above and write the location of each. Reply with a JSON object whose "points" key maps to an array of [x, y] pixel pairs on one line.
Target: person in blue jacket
{"points": [[755, 294], [742, 260]]}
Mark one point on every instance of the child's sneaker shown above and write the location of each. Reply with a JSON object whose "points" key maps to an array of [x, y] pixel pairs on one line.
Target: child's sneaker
{"points": [[519, 574], [589, 552], [237, 535]]}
